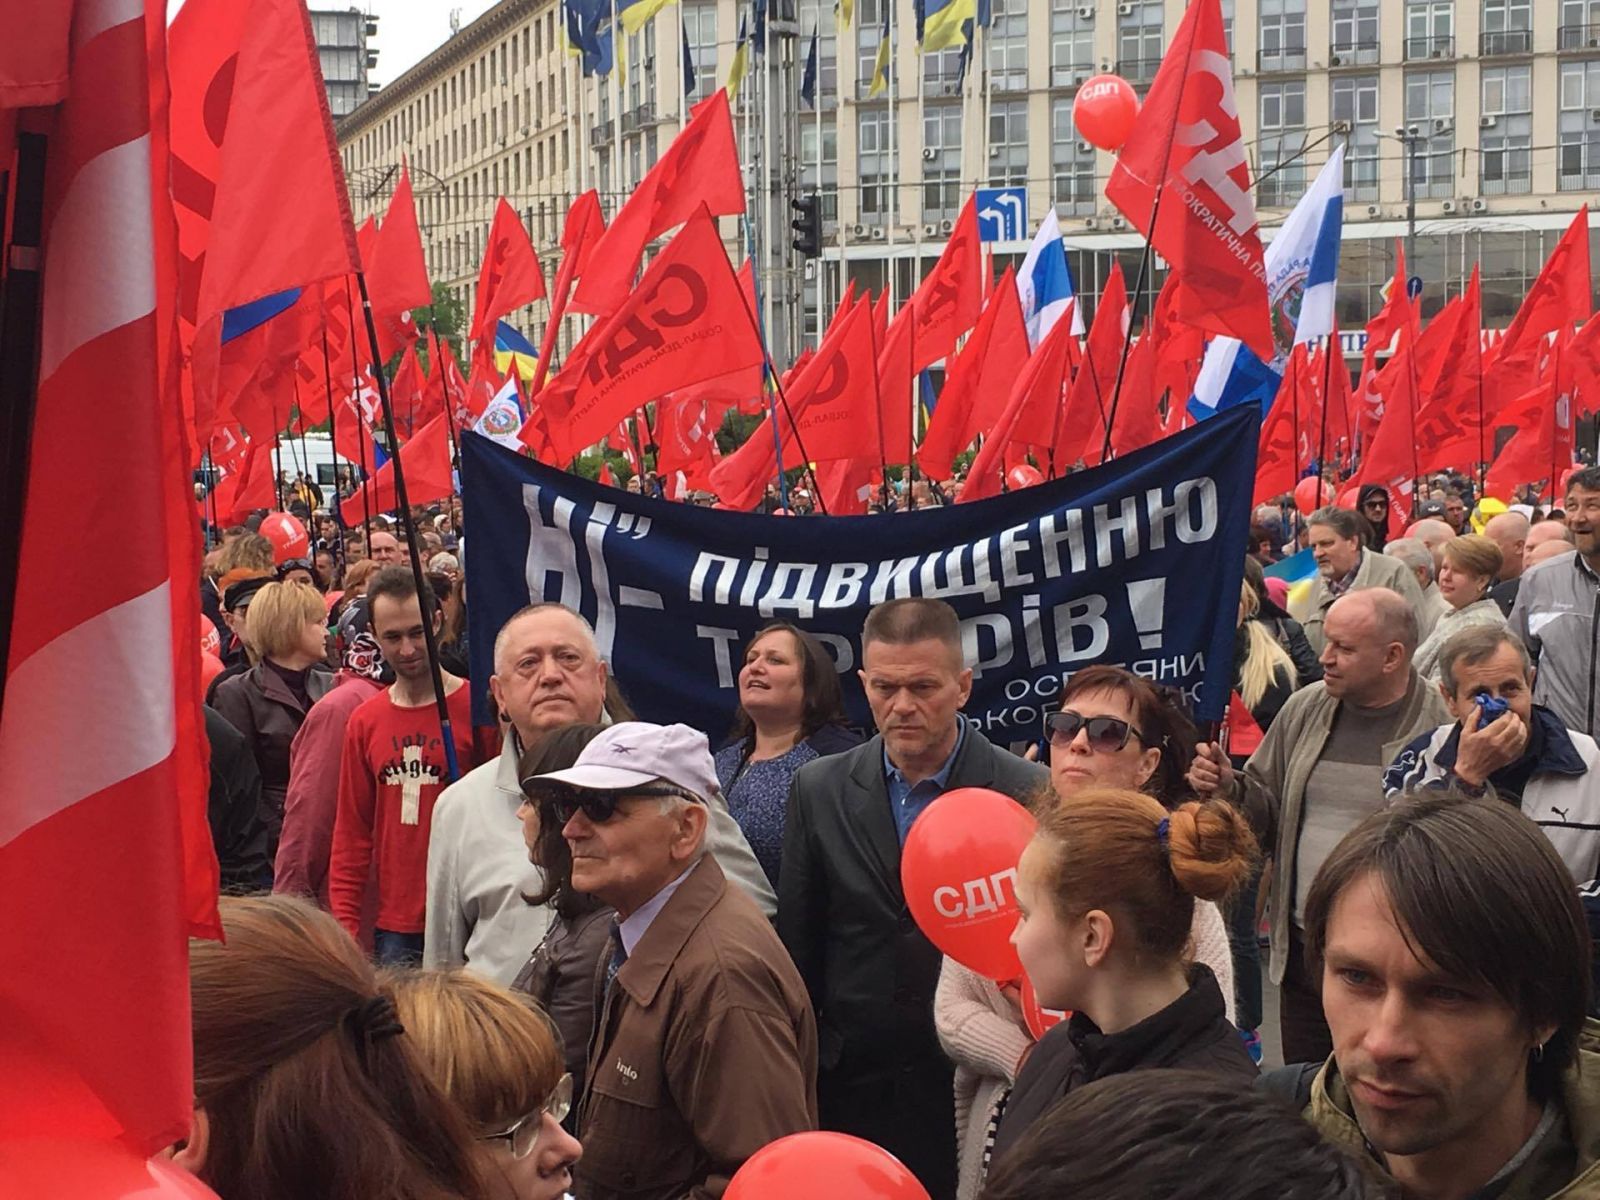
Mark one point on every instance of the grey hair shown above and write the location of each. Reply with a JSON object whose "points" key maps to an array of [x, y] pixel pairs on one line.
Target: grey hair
{"points": [[1343, 521], [1413, 553], [528, 610], [1476, 644]]}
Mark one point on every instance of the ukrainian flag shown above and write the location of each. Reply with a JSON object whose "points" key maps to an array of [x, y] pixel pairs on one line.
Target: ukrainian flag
{"points": [[740, 65], [635, 13], [511, 347], [880, 68], [847, 12], [944, 23]]}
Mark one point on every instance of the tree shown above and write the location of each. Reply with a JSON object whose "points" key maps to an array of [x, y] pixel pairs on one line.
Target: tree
{"points": [[447, 316]]}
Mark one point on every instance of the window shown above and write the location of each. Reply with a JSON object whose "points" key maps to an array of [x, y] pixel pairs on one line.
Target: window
{"points": [[700, 28], [1227, 25], [1072, 42], [819, 15], [1578, 127], [1507, 27], [1430, 106], [1355, 33], [1008, 46], [1281, 177], [1505, 139], [1354, 99], [941, 161], [1283, 36], [1073, 162], [1580, 25], [1008, 143], [825, 181], [1430, 29], [876, 167], [641, 68], [1141, 39]]}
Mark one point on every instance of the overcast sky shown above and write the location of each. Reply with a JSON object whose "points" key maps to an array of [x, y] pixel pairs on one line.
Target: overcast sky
{"points": [[409, 29]]}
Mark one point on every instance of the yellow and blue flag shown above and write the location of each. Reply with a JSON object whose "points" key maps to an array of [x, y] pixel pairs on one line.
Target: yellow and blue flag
{"points": [[511, 347], [880, 68], [635, 13], [740, 65], [942, 24]]}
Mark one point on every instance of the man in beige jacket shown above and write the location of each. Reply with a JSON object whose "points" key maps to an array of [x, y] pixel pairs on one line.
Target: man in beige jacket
{"points": [[1345, 565]]}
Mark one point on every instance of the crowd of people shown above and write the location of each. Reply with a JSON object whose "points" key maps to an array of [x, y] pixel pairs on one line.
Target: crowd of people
{"points": [[616, 958]]}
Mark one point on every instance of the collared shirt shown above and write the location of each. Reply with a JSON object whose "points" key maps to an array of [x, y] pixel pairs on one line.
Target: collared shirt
{"points": [[1338, 587], [632, 929], [907, 800]]}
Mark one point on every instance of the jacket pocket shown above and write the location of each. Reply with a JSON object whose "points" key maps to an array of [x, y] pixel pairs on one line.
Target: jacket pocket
{"points": [[635, 1143]]}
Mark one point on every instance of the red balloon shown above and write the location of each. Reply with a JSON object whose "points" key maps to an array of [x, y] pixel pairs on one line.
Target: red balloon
{"points": [[1350, 497], [1038, 1020], [210, 640], [804, 1166], [959, 872], [1023, 475], [1104, 111], [1311, 493], [287, 535], [84, 1169], [210, 668]]}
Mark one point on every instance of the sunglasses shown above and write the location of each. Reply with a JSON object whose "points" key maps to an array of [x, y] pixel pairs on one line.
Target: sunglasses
{"points": [[598, 805], [1107, 735], [523, 1137]]}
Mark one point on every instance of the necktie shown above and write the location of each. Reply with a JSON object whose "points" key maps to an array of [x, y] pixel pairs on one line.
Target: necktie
{"points": [[619, 955]]}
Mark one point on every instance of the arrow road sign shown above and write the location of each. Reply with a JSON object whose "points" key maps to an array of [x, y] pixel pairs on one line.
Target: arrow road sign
{"points": [[1002, 214]]}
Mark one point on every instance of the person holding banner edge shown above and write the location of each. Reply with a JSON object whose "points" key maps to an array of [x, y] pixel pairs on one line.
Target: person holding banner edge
{"points": [[842, 913]]}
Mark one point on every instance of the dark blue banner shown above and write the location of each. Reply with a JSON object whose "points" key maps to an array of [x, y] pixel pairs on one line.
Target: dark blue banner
{"points": [[1137, 562]]}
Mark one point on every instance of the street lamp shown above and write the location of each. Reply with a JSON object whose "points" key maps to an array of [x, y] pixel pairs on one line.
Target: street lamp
{"points": [[1409, 136]]}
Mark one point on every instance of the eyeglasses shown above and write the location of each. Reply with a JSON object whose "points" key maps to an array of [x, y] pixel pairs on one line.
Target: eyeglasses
{"points": [[523, 1137], [1107, 735], [598, 805]]}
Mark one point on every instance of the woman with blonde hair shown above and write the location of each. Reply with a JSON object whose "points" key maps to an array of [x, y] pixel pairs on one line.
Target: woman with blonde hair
{"points": [[286, 628], [306, 1082], [1107, 890], [495, 1054], [1263, 674]]}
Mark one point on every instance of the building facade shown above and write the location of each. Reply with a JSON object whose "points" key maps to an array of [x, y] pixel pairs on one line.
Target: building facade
{"points": [[346, 56], [1472, 127]]}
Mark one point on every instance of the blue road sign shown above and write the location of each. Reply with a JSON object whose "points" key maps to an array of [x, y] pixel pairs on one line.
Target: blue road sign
{"points": [[1414, 286], [1002, 214]]}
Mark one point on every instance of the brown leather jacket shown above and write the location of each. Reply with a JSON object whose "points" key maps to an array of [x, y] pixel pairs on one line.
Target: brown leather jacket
{"points": [[705, 1050], [260, 705]]}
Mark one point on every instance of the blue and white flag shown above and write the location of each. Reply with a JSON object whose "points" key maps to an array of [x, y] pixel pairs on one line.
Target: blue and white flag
{"points": [[1044, 282], [1302, 255], [502, 417], [1045, 580]]}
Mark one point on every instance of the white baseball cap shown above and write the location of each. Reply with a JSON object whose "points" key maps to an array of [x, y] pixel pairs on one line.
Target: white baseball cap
{"points": [[633, 754]]}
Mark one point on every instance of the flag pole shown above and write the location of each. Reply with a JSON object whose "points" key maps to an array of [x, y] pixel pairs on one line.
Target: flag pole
{"points": [[1133, 311], [1327, 380], [364, 433], [877, 394], [1483, 465], [403, 503], [276, 448], [333, 431]]}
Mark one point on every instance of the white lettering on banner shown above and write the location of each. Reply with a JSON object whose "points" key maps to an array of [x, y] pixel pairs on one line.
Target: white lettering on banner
{"points": [[956, 582], [1011, 545], [605, 617], [892, 579], [722, 643], [1125, 523], [1033, 629], [977, 898], [842, 588], [797, 597], [1050, 538], [1205, 490], [729, 570], [844, 655], [999, 628], [752, 577], [552, 551], [1087, 613]]}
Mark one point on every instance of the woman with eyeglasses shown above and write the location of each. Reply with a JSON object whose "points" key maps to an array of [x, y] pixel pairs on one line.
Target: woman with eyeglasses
{"points": [[1114, 729], [495, 1055]]}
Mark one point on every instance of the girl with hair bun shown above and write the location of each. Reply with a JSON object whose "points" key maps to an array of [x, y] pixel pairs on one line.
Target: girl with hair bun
{"points": [[1107, 890]]}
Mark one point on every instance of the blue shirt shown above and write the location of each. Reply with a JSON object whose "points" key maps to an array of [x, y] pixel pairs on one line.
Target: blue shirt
{"points": [[906, 801]]}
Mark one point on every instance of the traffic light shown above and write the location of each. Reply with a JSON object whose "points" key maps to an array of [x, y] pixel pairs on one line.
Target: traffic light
{"points": [[807, 226]]}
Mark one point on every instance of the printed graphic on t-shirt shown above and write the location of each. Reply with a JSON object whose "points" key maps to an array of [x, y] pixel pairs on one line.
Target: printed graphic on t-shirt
{"points": [[408, 772]]}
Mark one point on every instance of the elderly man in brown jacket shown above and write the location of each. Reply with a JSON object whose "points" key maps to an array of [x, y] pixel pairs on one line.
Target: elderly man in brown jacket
{"points": [[705, 1046]]}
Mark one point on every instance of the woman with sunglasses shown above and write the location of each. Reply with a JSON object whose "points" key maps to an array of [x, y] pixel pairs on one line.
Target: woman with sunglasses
{"points": [[494, 1054], [1114, 729]]}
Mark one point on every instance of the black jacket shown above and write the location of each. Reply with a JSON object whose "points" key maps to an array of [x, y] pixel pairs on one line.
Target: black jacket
{"points": [[1192, 1033], [1277, 693], [233, 809], [869, 970]]}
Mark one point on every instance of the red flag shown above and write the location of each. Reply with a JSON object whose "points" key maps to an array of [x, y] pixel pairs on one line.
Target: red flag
{"points": [[847, 485], [746, 385], [685, 441], [1583, 353], [1278, 454], [1542, 446], [111, 1059], [896, 378], [1037, 389], [397, 273], [1079, 429], [510, 276], [358, 405], [683, 324], [454, 386], [406, 395], [949, 299], [581, 232], [426, 462], [1186, 150], [279, 144], [1448, 430], [1391, 459], [251, 488], [606, 477], [978, 380], [1137, 421], [700, 168], [1558, 299], [1398, 315]]}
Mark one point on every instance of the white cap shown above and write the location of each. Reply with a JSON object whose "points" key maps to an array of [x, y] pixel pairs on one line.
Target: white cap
{"points": [[636, 753]]}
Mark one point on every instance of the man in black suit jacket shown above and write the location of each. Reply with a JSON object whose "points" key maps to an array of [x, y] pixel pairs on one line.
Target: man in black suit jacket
{"points": [[841, 912]]}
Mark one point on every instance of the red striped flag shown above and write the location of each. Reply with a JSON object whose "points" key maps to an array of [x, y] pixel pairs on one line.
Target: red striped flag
{"points": [[100, 742]]}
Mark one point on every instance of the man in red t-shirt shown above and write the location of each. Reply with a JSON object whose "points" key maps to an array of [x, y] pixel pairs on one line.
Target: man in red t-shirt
{"points": [[392, 771]]}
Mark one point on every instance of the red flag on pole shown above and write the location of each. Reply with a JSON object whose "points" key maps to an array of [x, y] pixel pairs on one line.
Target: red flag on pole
{"points": [[1079, 428], [1186, 153], [1277, 453], [510, 276], [111, 1059], [978, 381], [684, 323], [699, 168], [426, 462], [947, 302], [1559, 299], [397, 275], [1542, 446], [1391, 459], [1448, 430]]}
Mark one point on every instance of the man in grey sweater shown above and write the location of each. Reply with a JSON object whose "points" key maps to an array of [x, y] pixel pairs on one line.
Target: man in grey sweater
{"points": [[548, 673], [1319, 772]]}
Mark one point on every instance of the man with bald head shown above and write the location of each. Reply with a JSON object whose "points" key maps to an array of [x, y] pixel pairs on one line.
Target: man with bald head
{"points": [[1544, 552], [1509, 531], [1319, 772], [1546, 533], [547, 673], [1432, 533]]}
